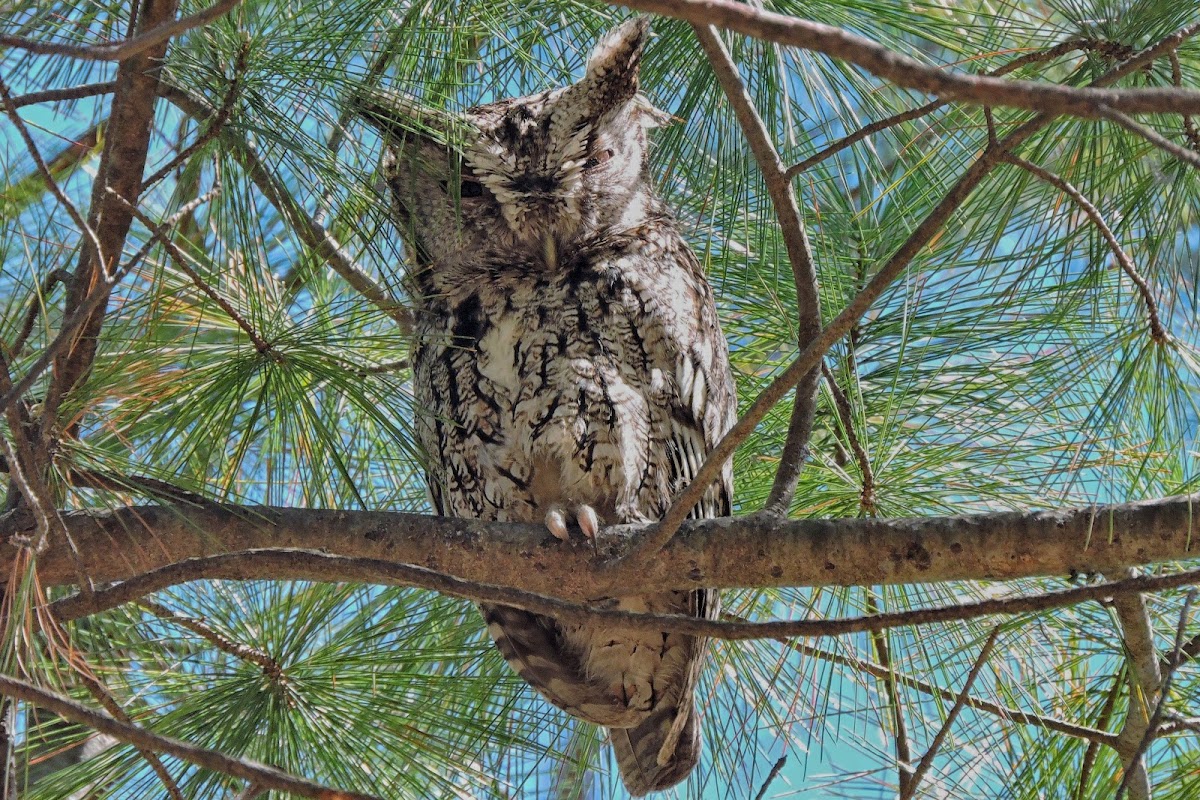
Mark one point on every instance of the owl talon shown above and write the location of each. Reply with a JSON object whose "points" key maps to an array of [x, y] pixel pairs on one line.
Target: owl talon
{"points": [[588, 521], [556, 521]]}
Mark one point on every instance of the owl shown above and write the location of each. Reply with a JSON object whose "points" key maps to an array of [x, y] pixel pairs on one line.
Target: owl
{"points": [[568, 367]]}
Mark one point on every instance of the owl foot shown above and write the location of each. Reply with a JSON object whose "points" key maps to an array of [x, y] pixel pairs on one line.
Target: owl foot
{"points": [[585, 517], [635, 696]]}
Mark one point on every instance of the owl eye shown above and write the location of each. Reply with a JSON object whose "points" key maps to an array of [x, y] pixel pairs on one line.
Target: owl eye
{"points": [[598, 159], [470, 188]]}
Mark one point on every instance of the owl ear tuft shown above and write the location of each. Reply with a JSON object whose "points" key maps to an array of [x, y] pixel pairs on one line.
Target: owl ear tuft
{"points": [[612, 68]]}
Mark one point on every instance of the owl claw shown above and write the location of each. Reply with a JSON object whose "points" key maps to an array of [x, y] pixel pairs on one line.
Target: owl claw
{"points": [[556, 521], [585, 517]]}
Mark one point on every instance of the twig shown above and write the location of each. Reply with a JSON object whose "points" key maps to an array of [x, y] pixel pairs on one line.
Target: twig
{"points": [[254, 655], [1189, 125], [893, 675], [1144, 679], [216, 123], [883, 653], [910, 73], [845, 415], [811, 355], [1152, 136], [915, 113], [36, 303], [180, 259], [283, 563], [67, 93], [771, 777], [1093, 748], [93, 241], [259, 774], [120, 51], [795, 240], [927, 759], [110, 704], [1156, 717], [1157, 332]]}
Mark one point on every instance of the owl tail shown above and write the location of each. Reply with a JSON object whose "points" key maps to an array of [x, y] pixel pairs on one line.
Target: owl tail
{"points": [[659, 752]]}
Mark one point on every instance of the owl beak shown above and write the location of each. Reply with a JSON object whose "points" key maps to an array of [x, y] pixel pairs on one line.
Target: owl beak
{"points": [[401, 116]]}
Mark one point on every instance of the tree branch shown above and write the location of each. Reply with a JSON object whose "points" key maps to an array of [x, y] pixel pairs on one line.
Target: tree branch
{"points": [[258, 774], [795, 241], [120, 51], [909, 73], [757, 550]]}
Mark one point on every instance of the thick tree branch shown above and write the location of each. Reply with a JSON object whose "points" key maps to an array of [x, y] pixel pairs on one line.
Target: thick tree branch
{"points": [[912, 74], [758, 550], [258, 774]]}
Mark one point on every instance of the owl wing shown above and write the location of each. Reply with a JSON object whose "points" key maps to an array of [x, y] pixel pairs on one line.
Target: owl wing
{"points": [[660, 751]]}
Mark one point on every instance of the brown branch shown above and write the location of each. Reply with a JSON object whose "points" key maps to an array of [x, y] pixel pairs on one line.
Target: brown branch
{"points": [[1144, 679], [256, 773], [811, 355], [846, 416], [1157, 332], [1093, 748], [756, 550], [927, 760], [1152, 136], [102, 696], [307, 229], [254, 655], [903, 751], [126, 145], [899, 678], [916, 113], [285, 564], [180, 259], [910, 73], [795, 241], [122, 50], [66, 93]]}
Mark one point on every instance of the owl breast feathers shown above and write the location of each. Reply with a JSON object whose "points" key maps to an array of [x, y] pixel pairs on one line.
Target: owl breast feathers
{"points": [[568, 366]]}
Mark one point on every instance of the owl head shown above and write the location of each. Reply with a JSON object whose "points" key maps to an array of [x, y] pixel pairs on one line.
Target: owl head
{"points": [[526, 177]]}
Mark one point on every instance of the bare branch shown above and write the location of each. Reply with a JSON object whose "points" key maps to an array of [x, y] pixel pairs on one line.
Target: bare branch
{"points": [[1150, 135], [285, 564], [1144, 679], [866, 500], [771, 777], [756, 550], [795, 240], [120, 51], [960, 701], [254, 655], [916, 113], [1093, 748], [909, 73], [1189, 125], [1157, 332], [66, 93], [258, 774]]}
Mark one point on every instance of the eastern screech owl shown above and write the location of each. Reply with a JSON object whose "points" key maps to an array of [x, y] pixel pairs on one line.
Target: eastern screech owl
{"points": [[568, 367]]}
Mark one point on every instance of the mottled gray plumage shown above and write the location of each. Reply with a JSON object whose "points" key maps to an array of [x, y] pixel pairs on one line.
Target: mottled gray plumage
{"points": [[568, 364]]}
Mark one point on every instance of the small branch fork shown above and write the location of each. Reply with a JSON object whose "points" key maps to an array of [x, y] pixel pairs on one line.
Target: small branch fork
{"points": [[811, 355], [1157, 332], [795, 239]]}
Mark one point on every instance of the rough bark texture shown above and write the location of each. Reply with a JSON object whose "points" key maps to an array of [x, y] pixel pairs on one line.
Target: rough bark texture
{"points": [[740, 551]]}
